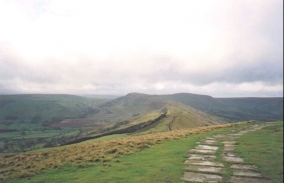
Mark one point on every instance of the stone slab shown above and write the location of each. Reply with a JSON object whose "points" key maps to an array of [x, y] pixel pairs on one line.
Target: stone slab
{"points": [[233, 159], [230, 154], [246, 173], [207, 147], [219, 136], [201, 157], [201, 177], [230, 142], [229, 148], [210, 142], [205, 169], [203, 163], [210, 138], [237, 134], [235, 179], [202, 151], [243, 167]]}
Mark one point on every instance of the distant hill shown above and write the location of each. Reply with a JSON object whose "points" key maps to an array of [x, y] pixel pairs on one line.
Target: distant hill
{"points": [[101, 96], [76, 111], [234, 109], [32, 121], [41, 109]]}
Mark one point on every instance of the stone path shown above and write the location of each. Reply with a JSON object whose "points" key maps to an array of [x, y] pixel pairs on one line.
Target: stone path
{"points": [[206, 164]]}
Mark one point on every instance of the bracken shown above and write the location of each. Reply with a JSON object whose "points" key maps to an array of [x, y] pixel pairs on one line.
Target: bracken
{"points": [[81, 154]]}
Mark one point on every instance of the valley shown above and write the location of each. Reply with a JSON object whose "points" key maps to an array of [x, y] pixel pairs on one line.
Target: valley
{"points": [[42, 133], [29, 122]]}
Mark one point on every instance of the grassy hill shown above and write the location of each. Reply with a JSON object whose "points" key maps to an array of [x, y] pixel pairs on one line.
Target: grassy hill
{"points": [[44, 109], [33, 121], [153, 158], [26, 120], [89, 154], [234, 109], [135, 109]]}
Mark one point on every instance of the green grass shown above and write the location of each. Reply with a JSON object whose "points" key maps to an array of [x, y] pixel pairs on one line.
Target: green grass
{"points": [[160, 163], [264, 148]]}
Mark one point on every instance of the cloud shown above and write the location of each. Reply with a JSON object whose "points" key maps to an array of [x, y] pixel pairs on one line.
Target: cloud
{"points": [[110, 47]]}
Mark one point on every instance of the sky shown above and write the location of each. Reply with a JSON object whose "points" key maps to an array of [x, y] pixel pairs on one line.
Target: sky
{"points": [[221, 48]]}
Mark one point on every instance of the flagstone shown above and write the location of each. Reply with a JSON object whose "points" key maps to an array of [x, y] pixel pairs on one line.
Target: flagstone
{"points": [[201, 177], [235, 179], [201, 157], [204, 163], [243, 167], [233, 159], [207, 147], [246, 173], [202, 151], [205, 169]]}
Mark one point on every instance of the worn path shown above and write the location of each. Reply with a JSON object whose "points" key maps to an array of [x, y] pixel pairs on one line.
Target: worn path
{"points": [[214, 158]]}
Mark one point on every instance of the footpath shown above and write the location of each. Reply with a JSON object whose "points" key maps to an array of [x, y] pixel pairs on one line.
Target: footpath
{"points": [[214, 158]]}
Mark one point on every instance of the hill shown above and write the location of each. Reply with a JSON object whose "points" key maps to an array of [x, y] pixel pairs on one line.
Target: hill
{"points": [[33, 121], [141, 113], [26, 121], [234, 109], [40, 109]]}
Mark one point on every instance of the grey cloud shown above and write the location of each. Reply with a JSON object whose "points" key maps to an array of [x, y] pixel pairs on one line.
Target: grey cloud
{"points": [[264, 71], [254, 46], [261, 72]]}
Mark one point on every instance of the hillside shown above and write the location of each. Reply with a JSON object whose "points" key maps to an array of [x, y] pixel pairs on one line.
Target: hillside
{"points": [[33, 121], [234, 109], [43, 109], [141, 113], [26, 121]]}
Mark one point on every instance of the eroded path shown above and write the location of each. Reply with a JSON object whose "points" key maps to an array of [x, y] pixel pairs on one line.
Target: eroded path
{"points": [[214, 160]]}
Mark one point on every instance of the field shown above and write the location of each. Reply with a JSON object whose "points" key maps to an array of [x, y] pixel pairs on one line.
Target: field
{"points": [[26, 120], [90, 154], [264, 148], [155, 157]]}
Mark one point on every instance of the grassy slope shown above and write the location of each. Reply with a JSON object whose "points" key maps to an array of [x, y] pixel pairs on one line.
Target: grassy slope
{"points": [[163, 162], [30, 115], [264, 148], [127, 107], [36, 109], [160, 163], [89, 154], [179, 117], [235, 109]]}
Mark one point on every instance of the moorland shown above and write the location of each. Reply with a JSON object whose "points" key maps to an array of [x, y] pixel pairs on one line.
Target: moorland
{"points": [[58, 135]]}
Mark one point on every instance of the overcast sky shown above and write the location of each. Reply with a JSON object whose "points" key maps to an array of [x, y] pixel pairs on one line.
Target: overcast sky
{"points": [[222, 48]]}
